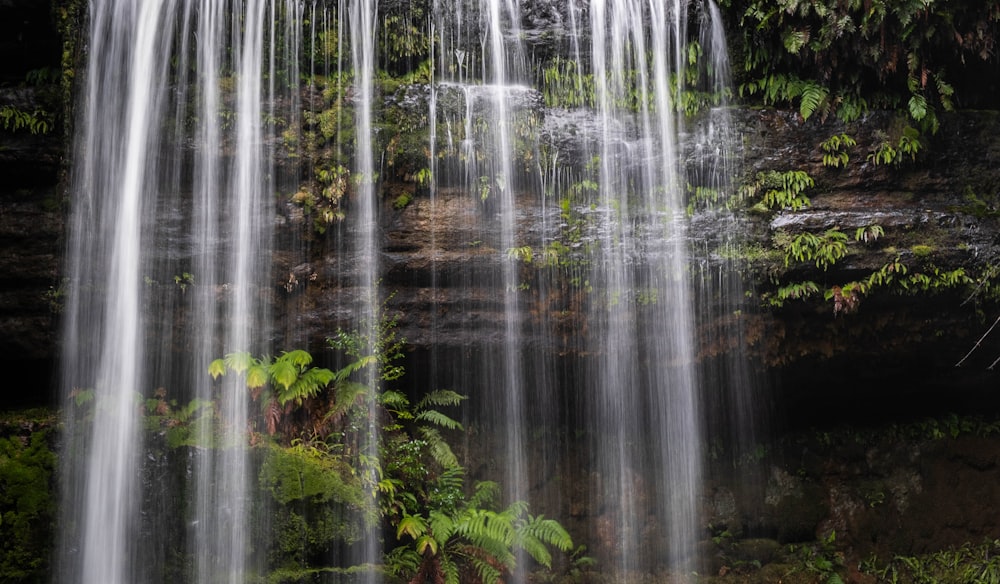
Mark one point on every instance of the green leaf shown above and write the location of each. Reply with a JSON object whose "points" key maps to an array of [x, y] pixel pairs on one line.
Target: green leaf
{"points": [[425, 543], [439, 398], [257, 376], [239, 362], [361, 363], [438, 419], [217, 368], [439, 449], [412, 525], [918, 107], [813, 96], [298, 357], [284, 373]]}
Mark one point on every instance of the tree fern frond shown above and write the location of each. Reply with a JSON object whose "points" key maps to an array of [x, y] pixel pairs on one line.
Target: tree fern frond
{"points": [[257, 375], [440, 398], [411, 525], [439, 449], [452, 478], [283, 373], [217, 368], [535, 534], [449, 570], [441, 525], [438, 419], [298, 358], [239, 361], [487, 572], [427, 543], [351, 368], [318, 377], [918, 107], [485, 494]]}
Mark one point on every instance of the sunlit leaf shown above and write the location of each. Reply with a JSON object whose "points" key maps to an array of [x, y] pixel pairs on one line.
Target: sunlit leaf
{"points": [[217, 368], [284, 373], [239, 362]]}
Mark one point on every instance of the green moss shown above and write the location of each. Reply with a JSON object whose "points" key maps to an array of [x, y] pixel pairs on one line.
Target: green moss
{"points": [[320, 503], [922, 251], [27, 508]]}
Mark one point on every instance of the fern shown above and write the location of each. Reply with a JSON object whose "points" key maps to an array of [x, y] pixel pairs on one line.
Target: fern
{"points": [[438, 419], [438, 448], [239, 362], [439, 398], [835, 150], [813, 98], [535, 534]]}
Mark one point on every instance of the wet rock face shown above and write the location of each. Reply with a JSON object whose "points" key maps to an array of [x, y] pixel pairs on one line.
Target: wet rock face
{"points": [[938, 212]]}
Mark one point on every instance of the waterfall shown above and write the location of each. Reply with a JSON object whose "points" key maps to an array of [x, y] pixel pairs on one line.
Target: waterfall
{"points": [[566, 165], [363, 16], [619, 233], [168, 255]]}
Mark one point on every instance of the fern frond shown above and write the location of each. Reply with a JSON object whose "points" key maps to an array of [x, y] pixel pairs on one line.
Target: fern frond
{"points": [[319, 377], [487, 572], [516, 509], [439, 449], [411, 525], [440, 398], [257, 375], [548, 531], [298, 357], [347, 395], [485, 493], [449, 570], [217, 368], [438, 419], [351, 368], [441, 525], [918, 107], [394, 400], [239, 362], [427, 543], [283, 373], [813, 97]]}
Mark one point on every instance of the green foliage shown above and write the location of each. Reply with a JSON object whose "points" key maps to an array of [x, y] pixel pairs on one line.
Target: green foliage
{"points": [[289, 374], [777, 89], [782, 190], [178, 424], [452, 538], [835, 150], [889, 152], [402, 201], [320, 502], [968, 564], [793, 291], [824, 559], [564, 86], [36, 122], [869, 234], [27, 509], [825, 250], [401, 36], [844, 56]]}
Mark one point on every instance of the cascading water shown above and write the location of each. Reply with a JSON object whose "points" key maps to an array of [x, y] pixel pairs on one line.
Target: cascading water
{"points": [[577, 291], [169, 248], [621, 236], [363, 15]]}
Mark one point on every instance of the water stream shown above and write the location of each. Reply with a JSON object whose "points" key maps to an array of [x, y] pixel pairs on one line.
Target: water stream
{"points": [[576, 283]]}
